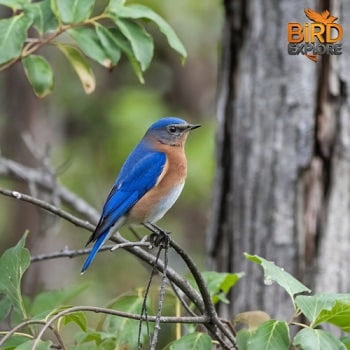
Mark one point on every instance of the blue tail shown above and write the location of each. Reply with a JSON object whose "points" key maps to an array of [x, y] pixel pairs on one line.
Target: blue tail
{"points": [[98, 244]]}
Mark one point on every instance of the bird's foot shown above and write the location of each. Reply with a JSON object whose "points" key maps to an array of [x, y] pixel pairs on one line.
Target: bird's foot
{"points": [[158, 237]]}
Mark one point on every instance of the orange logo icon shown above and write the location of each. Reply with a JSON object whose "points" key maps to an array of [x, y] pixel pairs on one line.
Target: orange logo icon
{"points": [[320, 37]]}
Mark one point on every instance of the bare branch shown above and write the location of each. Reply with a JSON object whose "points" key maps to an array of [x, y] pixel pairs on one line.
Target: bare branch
{"points": [[29, 323], [45, 181], [48, 207], [205, 307], [164, 319], [66, 253]]}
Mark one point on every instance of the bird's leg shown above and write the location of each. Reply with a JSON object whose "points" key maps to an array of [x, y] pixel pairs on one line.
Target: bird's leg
{"points": [[158, 236]]}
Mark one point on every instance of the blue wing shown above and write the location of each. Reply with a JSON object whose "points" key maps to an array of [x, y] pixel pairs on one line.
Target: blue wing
{"points": [[138, 175]]}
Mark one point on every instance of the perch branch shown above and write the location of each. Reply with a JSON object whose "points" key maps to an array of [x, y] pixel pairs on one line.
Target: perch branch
{"points": [[205, 307]]}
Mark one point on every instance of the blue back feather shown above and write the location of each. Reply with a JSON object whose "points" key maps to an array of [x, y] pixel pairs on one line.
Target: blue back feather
{"points": [[138, 175]]}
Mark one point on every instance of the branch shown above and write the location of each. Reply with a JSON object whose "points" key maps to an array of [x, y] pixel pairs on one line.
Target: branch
{"points": [[48, 207], [29, 323], [208, 304], [116, 238], [45, 181], [66, 253], [164, 319], [204, 307]]}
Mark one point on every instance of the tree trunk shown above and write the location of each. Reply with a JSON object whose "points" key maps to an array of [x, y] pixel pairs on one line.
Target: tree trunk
{"points": [[283, 174]]}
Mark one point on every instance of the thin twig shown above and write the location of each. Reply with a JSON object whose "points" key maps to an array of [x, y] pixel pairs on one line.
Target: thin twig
{"points": [[29, 323], [209, 306], [46, 206], [164, 319], [214, 321], [182, 300], [161, 294], [65, 253], [144, 303]]}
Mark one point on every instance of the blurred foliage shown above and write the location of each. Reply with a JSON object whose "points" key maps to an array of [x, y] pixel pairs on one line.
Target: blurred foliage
{"points": [[89, 137]]}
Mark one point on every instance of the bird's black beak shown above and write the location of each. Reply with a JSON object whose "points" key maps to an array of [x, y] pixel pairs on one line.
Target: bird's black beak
{"points": [[192, 126]]}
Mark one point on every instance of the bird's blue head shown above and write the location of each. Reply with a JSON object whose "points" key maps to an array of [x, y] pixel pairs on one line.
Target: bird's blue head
{"points": [[170, 131]]}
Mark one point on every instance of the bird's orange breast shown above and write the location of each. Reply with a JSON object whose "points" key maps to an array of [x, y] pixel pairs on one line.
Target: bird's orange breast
{"points": [[157, 201]]}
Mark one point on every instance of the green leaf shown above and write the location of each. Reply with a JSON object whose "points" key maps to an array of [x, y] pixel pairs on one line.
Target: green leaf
{"points": [[78, 318], [326, 307], [13, 263], [90, 44], [136, 11], [39, 74], [115, 4], [112, 34], [109, 43], [44, 19], [74, 11], [80, 65], [14, 342], [346, 342], [14, 4], [275, 273], [13, 33], [194, 341], [45, 302], [141, 42], [218, 283], [5, 307], [94, 336], [317, 339], [28, 345], [271, 335], [242, 338], [125, 329]]}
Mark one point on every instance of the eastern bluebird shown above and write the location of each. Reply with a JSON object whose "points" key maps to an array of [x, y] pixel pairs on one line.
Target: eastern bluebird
{"points": [[149, 182]]}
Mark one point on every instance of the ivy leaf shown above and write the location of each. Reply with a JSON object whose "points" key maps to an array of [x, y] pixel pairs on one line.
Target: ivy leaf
{"points": [[275, 273], [326, 307], [80, 65], [39, 74], [194, 341], [74, 11], [271, 335], [317, 339], [13, 33]]}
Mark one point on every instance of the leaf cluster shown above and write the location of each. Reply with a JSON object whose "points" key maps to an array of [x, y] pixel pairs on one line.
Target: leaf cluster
{"points": [[117, 327], [80, 35], [319, 309]]}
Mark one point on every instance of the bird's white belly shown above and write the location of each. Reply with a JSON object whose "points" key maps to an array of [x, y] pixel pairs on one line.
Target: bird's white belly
{"points": [[165, 204]]}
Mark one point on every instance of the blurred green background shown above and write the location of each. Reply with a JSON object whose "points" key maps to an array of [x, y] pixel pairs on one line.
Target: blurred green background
{"points": [[87, 138]]}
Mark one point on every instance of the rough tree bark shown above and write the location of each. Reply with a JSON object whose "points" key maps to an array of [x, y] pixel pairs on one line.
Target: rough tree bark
{"points": [[282, 187]]}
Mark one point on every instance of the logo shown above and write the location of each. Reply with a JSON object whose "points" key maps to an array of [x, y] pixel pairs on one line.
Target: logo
{"points": [[320, 37]]}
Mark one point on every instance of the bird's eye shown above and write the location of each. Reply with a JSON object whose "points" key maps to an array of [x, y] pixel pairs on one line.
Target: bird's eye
{"points": [[172, 129]]}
